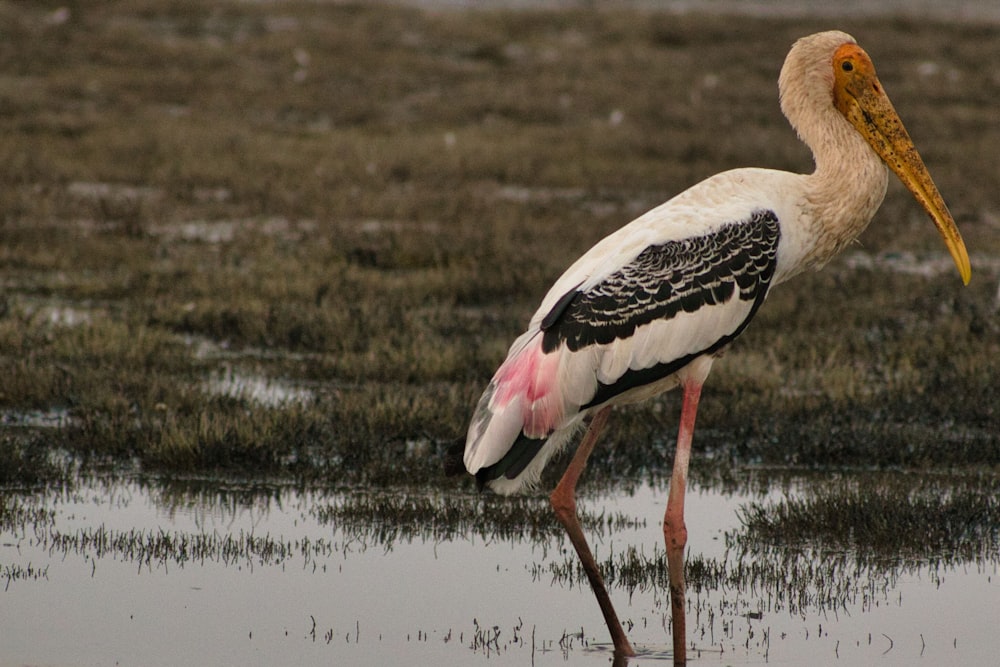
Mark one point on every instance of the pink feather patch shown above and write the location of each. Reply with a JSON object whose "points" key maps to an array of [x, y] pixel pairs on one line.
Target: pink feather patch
{"points": [[530, 377]]}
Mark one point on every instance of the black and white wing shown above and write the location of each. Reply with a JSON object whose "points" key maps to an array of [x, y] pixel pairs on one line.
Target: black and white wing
{"points": [[671, 303]]}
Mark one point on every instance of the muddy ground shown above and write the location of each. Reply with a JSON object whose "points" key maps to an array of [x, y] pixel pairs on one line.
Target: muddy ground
{"points": [[296, 239]]}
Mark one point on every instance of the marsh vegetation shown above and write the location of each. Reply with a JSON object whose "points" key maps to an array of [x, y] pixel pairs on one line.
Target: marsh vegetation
{"points": [[285, 245]]}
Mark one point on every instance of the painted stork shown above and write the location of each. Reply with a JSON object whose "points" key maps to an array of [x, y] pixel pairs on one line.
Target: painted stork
{"points": [[649, 307]]}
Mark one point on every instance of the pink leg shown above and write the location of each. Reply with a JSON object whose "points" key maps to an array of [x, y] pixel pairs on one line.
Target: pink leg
{"points": [[674, 530], [563, 501]]}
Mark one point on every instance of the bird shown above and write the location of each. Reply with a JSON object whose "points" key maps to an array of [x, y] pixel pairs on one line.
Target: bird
{"points": [[651, 306]]}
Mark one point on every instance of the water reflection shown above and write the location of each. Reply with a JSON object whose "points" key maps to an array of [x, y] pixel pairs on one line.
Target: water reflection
{"points": [[782, 569]]}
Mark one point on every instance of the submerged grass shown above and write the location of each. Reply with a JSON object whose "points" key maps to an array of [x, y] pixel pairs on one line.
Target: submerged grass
{"points": [[896, 517], [790, 556], [404, 516], [825, 547], [368, 201], [26, 461]]}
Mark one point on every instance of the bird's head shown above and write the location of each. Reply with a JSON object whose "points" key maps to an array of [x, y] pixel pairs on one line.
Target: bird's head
{"points": [[829, 73]]}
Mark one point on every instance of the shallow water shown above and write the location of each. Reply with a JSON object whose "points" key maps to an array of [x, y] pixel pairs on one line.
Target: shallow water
{"points": [[143, 573]]}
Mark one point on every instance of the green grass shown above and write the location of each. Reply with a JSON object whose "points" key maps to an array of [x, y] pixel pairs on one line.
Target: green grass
{"points": [[831, 543], [369, 201], [877, 518]]}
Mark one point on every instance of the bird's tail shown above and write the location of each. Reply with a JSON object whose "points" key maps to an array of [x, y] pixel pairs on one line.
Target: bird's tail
{"points": [[520, 421]]}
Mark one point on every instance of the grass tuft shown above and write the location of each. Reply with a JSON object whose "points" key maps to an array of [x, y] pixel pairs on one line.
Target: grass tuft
{"points": [[370, 201]]}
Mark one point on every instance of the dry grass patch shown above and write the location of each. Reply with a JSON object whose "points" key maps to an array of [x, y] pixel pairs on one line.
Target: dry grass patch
{"points": [[372, 200]]}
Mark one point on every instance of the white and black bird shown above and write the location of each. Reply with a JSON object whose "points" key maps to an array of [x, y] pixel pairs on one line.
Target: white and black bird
{"points": [[650, 307]]}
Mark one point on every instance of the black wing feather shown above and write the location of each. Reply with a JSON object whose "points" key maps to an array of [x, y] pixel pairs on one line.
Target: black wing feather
{"points": [[665, 279]]}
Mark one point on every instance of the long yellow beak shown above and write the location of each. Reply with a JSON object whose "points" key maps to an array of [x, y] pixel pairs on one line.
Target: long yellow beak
{"points": [[858, 95]]}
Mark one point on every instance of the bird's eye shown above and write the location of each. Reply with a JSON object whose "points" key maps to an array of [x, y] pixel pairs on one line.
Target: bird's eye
{"points": [[847, 66]]}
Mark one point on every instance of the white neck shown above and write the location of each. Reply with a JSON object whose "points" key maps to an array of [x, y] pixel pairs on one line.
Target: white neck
{"points": [[850, 180], [845, 190]]}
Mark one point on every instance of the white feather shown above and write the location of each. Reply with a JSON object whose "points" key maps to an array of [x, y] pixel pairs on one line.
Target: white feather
{"points": [[577, 379], [530, 475], [491, 434]]}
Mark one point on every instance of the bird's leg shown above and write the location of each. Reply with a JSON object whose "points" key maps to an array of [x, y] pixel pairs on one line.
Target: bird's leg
{"points": [[563, 501], [674, 530]]}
